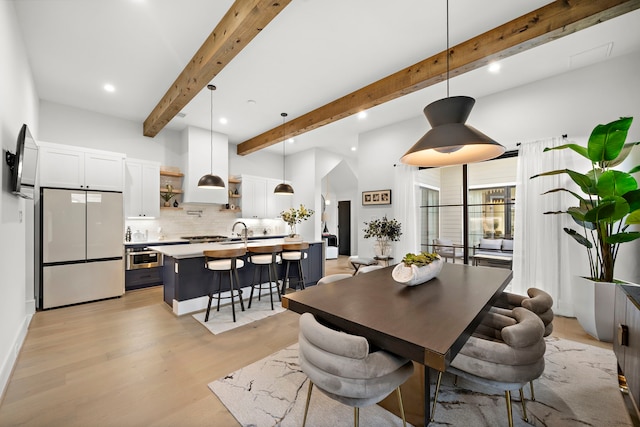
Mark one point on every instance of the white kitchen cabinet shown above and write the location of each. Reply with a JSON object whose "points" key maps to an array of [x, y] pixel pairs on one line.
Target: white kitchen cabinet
{"points": [[258, 199], [276, 203], [254, 197], [63, 166], [142, 189]]}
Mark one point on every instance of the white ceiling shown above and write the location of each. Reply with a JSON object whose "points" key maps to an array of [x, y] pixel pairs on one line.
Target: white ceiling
{"points": [[312, 53]]}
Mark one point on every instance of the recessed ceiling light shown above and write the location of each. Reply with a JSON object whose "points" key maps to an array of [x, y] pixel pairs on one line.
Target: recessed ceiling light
{"points": [[353, 148], [223, 120], [362, 115], [109, 87], [251, 102], [291, 140], [494, 67]]}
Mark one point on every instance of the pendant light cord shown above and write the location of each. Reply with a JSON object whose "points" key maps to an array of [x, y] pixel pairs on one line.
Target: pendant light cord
{"points": [[211, 88], [284, 138], [447, 48]]}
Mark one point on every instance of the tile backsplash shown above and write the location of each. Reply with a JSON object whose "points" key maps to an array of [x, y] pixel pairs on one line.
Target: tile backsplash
{"points": [[199, 220]]}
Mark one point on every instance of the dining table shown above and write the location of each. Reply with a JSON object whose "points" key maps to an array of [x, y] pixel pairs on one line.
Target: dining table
{"points": [[427, 323]]}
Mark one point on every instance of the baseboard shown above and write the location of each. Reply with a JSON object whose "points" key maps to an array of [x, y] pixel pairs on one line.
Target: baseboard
{"points": [[10, 358]]}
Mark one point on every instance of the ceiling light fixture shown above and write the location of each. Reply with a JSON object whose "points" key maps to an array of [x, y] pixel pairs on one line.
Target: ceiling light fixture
{"points": [[450, 141], [109, 87], [211, 181], [283, 189]]}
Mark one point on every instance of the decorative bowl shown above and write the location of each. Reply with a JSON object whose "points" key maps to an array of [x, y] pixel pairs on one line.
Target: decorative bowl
{"points": [[413, 275]]}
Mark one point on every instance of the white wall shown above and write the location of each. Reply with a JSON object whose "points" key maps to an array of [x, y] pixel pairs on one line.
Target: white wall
{"points": [[68, 125], [18, 105]]}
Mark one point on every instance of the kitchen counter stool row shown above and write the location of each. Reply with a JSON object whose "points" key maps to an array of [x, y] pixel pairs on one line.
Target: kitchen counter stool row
{"points": [[265, 260]]}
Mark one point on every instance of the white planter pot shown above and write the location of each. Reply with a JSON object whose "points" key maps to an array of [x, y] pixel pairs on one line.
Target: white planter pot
{"points": [[593, 305]]}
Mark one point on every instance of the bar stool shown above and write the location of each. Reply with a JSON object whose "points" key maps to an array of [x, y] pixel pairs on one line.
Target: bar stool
{"points": [[261, 257], [223, 260], [294, 253]]}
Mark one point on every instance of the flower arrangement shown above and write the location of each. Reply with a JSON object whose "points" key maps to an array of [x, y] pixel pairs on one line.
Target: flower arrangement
{"points": [[295, 216]]}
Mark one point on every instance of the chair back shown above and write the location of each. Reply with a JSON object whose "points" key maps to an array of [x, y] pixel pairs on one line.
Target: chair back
{"points": [[342, 367]]}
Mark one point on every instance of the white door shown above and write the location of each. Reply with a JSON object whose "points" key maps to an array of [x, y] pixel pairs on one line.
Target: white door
{"points": [[105, 225], [63, 225]]}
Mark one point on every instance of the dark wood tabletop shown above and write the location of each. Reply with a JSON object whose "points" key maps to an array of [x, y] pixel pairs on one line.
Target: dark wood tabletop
{"points": [[427, 323]]}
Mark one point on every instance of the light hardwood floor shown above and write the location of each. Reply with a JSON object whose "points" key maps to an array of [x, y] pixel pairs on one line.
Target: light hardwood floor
{"points": [[130, 362]]}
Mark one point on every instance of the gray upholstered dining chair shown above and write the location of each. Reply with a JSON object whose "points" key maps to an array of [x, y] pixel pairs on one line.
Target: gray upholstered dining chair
{"points": [[342, 367], [537, 301], [504, 352], [341, 276]]}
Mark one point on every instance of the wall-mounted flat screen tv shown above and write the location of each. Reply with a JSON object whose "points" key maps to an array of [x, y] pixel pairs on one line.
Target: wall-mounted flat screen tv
{"points": [[23, 164]]}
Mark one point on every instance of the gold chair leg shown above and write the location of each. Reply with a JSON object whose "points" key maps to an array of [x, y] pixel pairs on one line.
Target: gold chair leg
{"points": [[533, 395], [524, 406], [306, 408], [404, 420], [507, 396], [435, 396], [356, 416]]}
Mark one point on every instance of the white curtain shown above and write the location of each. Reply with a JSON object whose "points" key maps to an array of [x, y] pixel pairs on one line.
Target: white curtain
{"points": [[541, 248], [405, 210]]}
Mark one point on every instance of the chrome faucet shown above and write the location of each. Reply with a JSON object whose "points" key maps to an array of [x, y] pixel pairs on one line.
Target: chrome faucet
{"points": [[245, 234]]}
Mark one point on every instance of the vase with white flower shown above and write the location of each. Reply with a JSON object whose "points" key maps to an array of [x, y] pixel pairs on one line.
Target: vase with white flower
{"points": [[295, 216]]}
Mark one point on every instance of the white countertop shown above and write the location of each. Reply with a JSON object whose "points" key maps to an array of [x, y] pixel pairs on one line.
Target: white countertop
{"points": [[193, 250]]}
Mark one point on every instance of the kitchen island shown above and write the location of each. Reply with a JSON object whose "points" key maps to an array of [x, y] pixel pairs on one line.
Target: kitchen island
{"points": [[187, 282]]}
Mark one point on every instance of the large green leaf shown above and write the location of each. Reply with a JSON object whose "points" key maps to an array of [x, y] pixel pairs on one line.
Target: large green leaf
{"points": [[633, 198], [633, 218], [578, 217], [622, 237], [610, 209], [606, 141], [575, 147], [585, 182], [636, 168], [626, 149], [615, 183], [578, 237], [576, 195]]}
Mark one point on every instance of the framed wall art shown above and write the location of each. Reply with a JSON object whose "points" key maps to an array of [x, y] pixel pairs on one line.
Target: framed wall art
{"points": [[379, 197]]}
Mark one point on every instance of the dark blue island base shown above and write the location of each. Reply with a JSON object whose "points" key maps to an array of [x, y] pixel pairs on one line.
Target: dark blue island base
{"points": [[187, 282]]}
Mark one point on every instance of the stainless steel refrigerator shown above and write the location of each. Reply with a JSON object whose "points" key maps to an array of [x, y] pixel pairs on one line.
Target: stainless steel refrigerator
{"points": [[80, 247]]}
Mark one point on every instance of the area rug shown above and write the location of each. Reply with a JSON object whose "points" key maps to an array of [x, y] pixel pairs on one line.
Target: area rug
{"points": [[578, 388], [222, 321]]}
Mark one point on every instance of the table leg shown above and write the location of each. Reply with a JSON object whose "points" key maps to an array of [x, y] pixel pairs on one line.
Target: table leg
{"points": [[427, 396]]}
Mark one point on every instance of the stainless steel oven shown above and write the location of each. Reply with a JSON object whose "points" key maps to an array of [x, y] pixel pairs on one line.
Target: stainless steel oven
{"points": [[137, 258]]}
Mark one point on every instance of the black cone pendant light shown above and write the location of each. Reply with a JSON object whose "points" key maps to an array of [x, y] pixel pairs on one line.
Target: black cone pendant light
{"points": [[450, 141], [283, 189], [210, 180]]}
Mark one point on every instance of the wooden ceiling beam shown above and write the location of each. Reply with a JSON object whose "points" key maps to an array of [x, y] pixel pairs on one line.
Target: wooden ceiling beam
{"points": [[242, 22], [548, 23]]}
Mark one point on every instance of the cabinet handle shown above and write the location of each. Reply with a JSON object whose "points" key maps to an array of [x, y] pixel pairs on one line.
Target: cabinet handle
{"points": [[623, 335]]}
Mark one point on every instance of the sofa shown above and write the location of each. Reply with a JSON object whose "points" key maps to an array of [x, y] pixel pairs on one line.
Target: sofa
{"points": [[486, 249]]}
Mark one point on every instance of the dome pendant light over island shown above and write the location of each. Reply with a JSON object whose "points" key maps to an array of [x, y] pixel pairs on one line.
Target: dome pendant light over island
{"points": [[283, 189], [450, 141], [210, 180]]}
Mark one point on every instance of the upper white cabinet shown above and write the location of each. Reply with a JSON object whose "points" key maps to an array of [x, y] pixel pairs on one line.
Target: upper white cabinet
{"points": [[258, 199], [276, 203], [64, 166], [203, 157], [142, 190], [254, 197]]}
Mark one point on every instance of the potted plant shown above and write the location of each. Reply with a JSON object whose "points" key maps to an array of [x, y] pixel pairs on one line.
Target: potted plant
{"points": [[610, 204], [167, 194], [295, 216], [385, 231], [417, 268]]}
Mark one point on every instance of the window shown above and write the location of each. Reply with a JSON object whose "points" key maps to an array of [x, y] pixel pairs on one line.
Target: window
{"points": [[429, 217], [491, 213]]}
